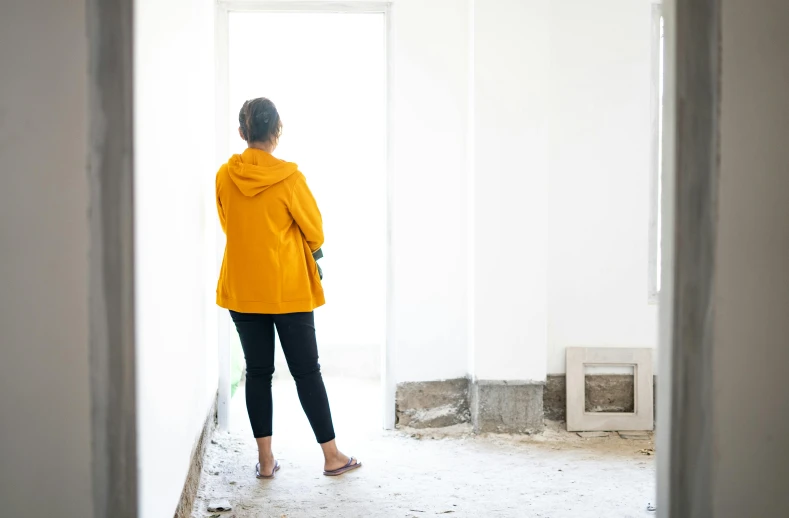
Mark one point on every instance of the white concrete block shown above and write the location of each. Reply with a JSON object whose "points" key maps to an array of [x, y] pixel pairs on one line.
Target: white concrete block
{"points": [[642, 417]]}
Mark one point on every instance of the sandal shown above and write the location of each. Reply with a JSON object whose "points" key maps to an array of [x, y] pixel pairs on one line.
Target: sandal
{"points": [[257, 470], [348, 467]]}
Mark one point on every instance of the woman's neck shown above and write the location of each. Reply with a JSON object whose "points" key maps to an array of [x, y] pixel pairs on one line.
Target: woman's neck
{"points": [[268, 147]]}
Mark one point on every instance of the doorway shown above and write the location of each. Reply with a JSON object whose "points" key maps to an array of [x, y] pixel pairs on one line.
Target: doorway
{"points": [[327, 73]]}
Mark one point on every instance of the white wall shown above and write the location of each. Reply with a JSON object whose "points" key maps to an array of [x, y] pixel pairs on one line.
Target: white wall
{"points": [[561, 135], [750, 413], [542, 108], [510, 176], [556, 156], [174, 162], [45, 451], [598, 210], [429, 189]]}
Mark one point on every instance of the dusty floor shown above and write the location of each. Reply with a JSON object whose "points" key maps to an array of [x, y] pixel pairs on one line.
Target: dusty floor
{"points": [[424, 473]]}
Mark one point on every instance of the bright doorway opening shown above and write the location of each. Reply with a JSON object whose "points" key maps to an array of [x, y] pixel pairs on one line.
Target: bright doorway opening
{"points": [[326, 73]]}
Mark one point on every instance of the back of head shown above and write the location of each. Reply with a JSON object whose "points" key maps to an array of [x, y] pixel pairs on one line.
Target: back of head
{"points": [[259, 121]]}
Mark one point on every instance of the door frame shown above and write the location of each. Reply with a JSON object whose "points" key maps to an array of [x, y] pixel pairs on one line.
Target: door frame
{"points": [[691, 163], [222, 13], [112, 346]]}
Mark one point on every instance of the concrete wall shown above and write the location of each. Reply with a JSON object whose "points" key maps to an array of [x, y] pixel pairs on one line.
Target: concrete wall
{"points": [[598, 208], [174, 163], [44, 376], [750, 419]]}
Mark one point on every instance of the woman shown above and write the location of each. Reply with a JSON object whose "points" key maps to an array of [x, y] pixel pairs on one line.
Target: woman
{"points": [[269, 279]]}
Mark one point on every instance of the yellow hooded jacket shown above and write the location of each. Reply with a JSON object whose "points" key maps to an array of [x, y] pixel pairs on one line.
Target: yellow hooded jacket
{"points": [[273, 226]]}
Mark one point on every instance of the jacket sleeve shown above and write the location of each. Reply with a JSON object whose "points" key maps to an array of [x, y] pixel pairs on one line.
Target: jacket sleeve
{"points": [[305, 212], [219, 208]]}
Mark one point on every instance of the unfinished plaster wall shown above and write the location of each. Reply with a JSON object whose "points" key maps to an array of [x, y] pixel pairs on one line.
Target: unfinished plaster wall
{"points": [[750, 422], [174, 155], [44, 239], [598, 214]]}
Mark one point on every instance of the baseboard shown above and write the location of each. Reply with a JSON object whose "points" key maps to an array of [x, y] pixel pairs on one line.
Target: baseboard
{"points": [[192, 484]]}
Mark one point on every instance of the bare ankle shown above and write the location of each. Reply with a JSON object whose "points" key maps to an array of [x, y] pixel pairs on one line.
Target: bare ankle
{"points": [[330, 449]]}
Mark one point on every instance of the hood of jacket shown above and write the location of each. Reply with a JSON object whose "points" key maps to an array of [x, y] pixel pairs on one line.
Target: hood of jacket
{"points": [[255, 170]]}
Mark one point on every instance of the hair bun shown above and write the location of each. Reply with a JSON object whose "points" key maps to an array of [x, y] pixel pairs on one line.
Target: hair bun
{"points": [[265, 116], [260, 121]]}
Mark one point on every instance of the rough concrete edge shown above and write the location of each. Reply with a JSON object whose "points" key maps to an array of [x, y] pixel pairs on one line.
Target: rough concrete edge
{"points": [[507, 383], [453, 407], [555, 399], [192, 483], [481, 425], [469, 409], [473, 404]]}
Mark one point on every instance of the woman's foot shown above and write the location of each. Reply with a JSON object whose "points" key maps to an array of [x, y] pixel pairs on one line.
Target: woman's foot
{"points": [[267, 465], [352, 464], [337, 461]]}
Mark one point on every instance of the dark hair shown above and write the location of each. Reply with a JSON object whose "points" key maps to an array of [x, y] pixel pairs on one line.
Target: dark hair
{"points": [[259, 121]]}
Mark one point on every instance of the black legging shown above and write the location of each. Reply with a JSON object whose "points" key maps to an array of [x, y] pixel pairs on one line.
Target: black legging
{"points": [[297, 336]]}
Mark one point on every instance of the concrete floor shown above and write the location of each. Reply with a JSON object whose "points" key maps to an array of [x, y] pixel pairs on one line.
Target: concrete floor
{"points": [[421, 473]]}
